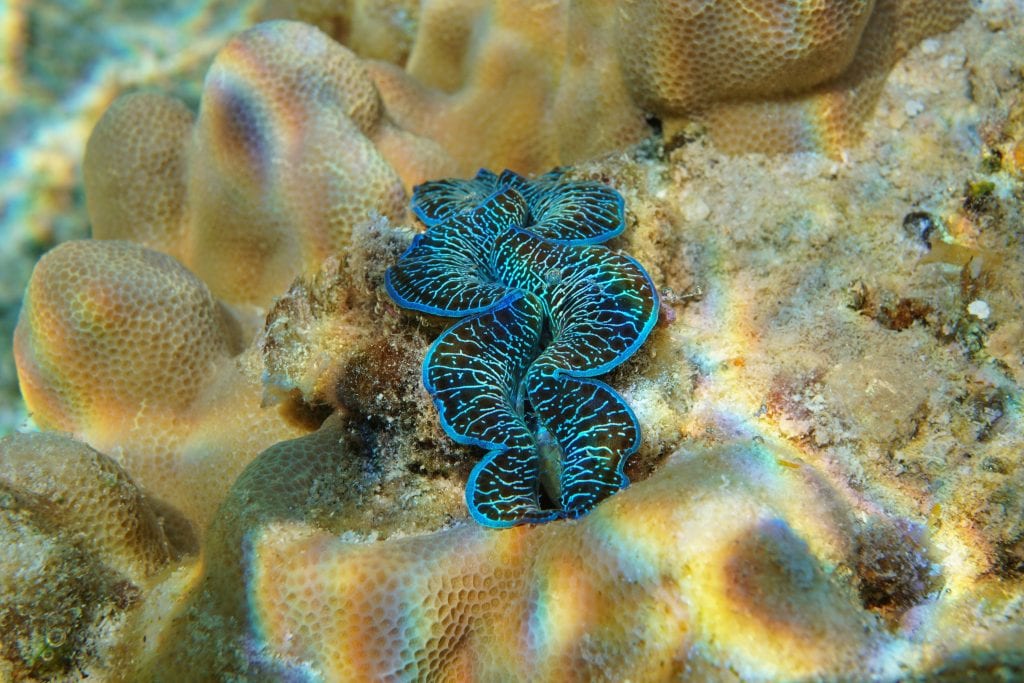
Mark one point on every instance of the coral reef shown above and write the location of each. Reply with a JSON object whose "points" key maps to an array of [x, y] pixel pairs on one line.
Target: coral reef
{"points": [[90, 496], [726, 555], [771, 76], [268, 181], [81, 545], [829, 484], [726, 560], [62, 62], [761, 76], [127, 350], [419, 105]]}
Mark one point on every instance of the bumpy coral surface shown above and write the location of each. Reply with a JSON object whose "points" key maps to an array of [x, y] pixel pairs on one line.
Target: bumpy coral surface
{"points": [[277, 168], [731, 561], [81, 543], [134, 173], [90, 495], [329, 479], [575, 79], [828, 116], [62, 62], [762, 76], [829, 485], [127, 350], [729, 556]]}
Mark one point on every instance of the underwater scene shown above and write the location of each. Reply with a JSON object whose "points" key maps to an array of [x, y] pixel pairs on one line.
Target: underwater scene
{"points": [[512, 340]]}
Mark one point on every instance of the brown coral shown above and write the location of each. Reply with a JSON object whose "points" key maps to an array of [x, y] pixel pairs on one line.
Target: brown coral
{"points": [[828, 116], [90, 496], [681, 54], [328, 479], [639, 589], [134, 174], [124, 348], [574, 78], [278, 168], [484, 83], [81, 543], [499, 84]]}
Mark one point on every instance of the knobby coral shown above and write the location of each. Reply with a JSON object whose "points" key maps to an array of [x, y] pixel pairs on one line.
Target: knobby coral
{"points": [[81, 544], [128, 351], [576, 77], [269, 179], [298, 136], [725, 560], [543, 310]]}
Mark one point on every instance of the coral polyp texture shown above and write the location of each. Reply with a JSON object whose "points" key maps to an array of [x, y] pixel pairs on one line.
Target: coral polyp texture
{"points": [[266, 182], [91, 496], [738, 561], [725, 555], [543, 311], [287, 114], [81, 544], [579, 75], [124, 348], [236, 484]]}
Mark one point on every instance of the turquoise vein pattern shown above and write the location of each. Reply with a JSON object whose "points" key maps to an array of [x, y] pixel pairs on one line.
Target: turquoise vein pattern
{"points": [[542, 309]]}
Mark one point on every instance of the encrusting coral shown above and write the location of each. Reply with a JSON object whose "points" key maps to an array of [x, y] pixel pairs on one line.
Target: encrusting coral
{"points": [[128, 351], [329, 479], [81, 544], [829, 115], [270, 178], [729, 556]]}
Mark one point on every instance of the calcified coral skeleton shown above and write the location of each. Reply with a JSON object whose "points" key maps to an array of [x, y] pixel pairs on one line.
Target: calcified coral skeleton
{"points": [[295, 130], [761, 75]]}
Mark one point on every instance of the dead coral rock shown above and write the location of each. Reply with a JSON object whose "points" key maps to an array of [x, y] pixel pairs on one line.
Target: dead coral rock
{"points": [[309, 331], [894, 566], [318, 344]]}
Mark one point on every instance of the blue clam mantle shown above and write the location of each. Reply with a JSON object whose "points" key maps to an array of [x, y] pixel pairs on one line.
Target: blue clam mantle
{"points": [[543, 309]]}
